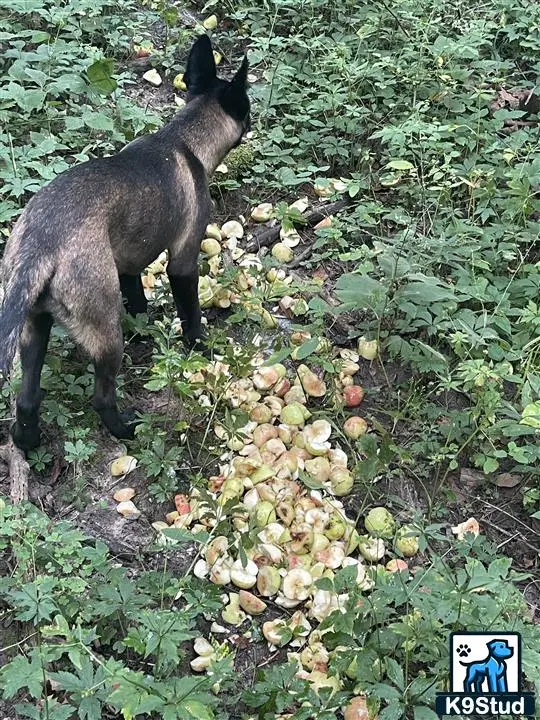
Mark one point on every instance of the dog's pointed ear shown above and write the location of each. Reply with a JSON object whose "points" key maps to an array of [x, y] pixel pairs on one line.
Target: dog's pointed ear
{"points": [[200, 72], [239, 81]]}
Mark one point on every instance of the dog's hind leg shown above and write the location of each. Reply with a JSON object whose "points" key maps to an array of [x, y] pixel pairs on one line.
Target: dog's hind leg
{"points": [[89, 307], [133, 294], [184, 278], [33, 346], [104, 400], [104, 343]]}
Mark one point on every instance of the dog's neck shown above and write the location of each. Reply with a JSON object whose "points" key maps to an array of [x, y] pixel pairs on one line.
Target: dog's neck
{"points": [[207, 130]]}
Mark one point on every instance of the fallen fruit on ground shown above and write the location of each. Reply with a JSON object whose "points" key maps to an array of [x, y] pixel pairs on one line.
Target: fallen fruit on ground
{"points": [[379, 522], [469, 526], [179, 83], [123, 465], [251, 603], [357, 709], [368, 349], [262, 213], [153, 77], [210, 23], [354, 427], [353, 395], [406, 542], [124, 494], [128, 510], [282, 253], [210, 247]]}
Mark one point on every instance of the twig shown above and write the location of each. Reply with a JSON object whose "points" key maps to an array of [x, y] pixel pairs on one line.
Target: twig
{"points": [[500, 509], [18, 469], [300, 258], [513, 536], [270, 235], [403, 29]]}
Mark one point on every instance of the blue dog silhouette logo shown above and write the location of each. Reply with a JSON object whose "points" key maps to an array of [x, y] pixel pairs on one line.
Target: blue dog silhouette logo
{"points": [[485, 677], [492, 669]]}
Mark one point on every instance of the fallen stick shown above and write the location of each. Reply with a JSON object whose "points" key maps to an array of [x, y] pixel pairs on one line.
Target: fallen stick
{"points": [[270, 235], [18, 470]]}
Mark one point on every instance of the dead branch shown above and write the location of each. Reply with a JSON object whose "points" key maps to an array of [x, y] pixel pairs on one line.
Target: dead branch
{"points": [[18, 470], [270, 235]]}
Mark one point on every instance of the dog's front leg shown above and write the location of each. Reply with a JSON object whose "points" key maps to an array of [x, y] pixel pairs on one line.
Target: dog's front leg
{"points": [[133, 293]]}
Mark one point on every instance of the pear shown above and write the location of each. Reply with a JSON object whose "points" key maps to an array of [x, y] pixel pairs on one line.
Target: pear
{"points": [[297, 584], [210, 23], [122, 466], [268, 581], [153, 77], [251, 603], [124, 494]]}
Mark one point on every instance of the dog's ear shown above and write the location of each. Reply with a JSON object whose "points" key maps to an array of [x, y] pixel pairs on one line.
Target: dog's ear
{"points": [[239, 81], [200, 74], [234, 98]]}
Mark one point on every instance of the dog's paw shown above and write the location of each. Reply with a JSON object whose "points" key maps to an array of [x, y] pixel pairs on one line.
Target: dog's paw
{"points": [[26, 436], [120, 424], [463, 650], [130, 418], [198, 345]]}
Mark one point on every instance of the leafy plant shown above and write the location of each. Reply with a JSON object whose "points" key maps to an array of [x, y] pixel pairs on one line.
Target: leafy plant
{"points": [[98, 627]]}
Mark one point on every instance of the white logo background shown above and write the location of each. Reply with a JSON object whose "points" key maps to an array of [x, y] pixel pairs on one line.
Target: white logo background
{"points": [[478, 651]]}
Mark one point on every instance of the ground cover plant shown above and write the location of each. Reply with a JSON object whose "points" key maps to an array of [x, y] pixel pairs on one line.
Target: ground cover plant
{"points": [[383, 352]]}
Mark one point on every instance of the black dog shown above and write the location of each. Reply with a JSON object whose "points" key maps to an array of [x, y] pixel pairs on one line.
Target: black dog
{"points": [[94, 229]]}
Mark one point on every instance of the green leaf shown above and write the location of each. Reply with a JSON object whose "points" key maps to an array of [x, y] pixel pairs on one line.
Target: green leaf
{"points": [[278, 356], [68, 681], [100, 76], [185, 536], [490, 465], [393, 711], [400, 165], [395, 673], [35, 600], [90, 708], [386, 692], [531, 415], [53, 709], [170, 15], [361, 291], [422, 712], [426, 292], [26, 99], [307, 348], [324, 584], [156, 384], [98, 121], [198, 710], [19, 674]]}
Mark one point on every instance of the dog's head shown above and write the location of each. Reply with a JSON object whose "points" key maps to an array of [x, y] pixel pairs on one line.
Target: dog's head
{"points": [[201, 79], [499, 649]]}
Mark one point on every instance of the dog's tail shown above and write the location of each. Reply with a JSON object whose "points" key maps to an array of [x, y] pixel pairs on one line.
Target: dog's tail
{"points": [[27, 273]]}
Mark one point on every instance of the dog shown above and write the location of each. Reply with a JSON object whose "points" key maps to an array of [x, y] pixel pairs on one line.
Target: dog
{"points": [[83, 240], [492, 669]]}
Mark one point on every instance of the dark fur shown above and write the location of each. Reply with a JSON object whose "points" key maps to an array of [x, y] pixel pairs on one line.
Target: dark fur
{"points": [[93, 230]]}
